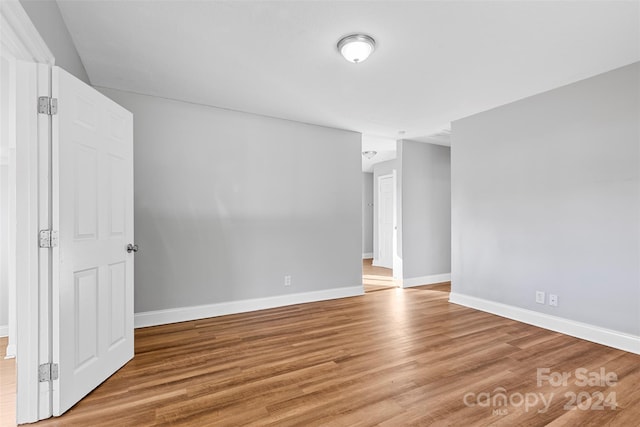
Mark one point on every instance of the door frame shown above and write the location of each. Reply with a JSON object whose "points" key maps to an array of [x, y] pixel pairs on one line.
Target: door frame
{"points": [[31, 62]]}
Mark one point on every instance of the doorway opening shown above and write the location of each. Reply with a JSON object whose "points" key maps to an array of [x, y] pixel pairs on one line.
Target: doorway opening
{"points": [[376, 278], [378, 268], [9, 199]]}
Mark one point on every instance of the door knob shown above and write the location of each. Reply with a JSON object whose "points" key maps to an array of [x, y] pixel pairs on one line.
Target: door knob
{"points": [[132, 248]]}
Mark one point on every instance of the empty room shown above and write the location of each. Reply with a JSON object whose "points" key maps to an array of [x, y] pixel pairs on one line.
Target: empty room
{"points": [[336, 213]]}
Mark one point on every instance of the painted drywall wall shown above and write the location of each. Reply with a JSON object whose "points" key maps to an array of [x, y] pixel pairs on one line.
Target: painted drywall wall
{"points": [[228, 203], [48, 20], [367, 214], [546, 196], [426, 211]]}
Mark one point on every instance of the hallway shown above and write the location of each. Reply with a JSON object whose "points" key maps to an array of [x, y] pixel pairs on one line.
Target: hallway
{"points": [[376, 278]]}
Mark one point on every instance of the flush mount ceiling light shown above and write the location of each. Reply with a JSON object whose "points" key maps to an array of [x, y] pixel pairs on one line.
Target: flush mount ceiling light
{"points": [[369, 154], [356, 47]]}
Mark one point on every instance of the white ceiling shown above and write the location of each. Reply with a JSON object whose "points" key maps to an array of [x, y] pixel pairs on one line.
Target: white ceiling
{"points": [[385, 149], [435, 61]]}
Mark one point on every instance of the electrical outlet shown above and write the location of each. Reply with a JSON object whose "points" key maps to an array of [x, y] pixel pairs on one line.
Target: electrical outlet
{"points": [[553, 300], [287, 280], [540, 297]]}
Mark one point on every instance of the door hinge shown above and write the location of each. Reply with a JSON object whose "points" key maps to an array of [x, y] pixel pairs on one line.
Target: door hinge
{"points": [[48, 238], [47, 372], [47, 105]]}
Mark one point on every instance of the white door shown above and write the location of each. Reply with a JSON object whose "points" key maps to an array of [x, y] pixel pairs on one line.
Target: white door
{"points": [[385, 222], [93, 211]]}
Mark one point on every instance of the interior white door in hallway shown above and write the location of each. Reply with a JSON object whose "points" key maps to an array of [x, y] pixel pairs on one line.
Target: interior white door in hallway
{"points": [[92, 208], [386, 223]]}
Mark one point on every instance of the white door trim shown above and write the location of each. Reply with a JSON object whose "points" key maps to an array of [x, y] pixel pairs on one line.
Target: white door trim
{"points": [[23, 46], [19, 37]]}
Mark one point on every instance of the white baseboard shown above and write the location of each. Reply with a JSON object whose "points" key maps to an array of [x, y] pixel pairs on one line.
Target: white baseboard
{"points": [[426, 280], [375, 263], [608, 337], [11, 352], [183, 314], [11, 348], [367, 255]]}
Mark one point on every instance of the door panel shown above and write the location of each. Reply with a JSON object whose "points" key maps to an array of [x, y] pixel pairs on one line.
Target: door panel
{"points": [[93, 211], [386, 223]]}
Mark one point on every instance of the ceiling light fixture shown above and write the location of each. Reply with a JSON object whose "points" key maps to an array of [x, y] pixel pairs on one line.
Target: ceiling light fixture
{"points": [[369, 154], [356, 47]]}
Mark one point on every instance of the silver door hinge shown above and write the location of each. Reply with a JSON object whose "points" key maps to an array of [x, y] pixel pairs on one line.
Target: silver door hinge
{"points": [[47, 372], [47, 105], [48, 239]]}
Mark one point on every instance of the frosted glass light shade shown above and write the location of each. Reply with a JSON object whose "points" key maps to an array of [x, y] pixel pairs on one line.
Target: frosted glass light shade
{"points": [[356, 47], [369, 154]]}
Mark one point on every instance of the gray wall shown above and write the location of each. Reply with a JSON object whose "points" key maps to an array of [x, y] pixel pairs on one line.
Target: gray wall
{"points": [[426, 209], [546, 196], [367, 213], [228, 203], [48, 20]]}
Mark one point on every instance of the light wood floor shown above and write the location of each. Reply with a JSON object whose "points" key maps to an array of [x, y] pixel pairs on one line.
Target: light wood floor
{"points": [[7, 387], [396, 357], [376, 278]]}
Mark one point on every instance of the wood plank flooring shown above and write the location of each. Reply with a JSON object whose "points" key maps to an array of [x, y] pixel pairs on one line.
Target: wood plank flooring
{"points": [[376, 278], [7, 387], [396, 357]]}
